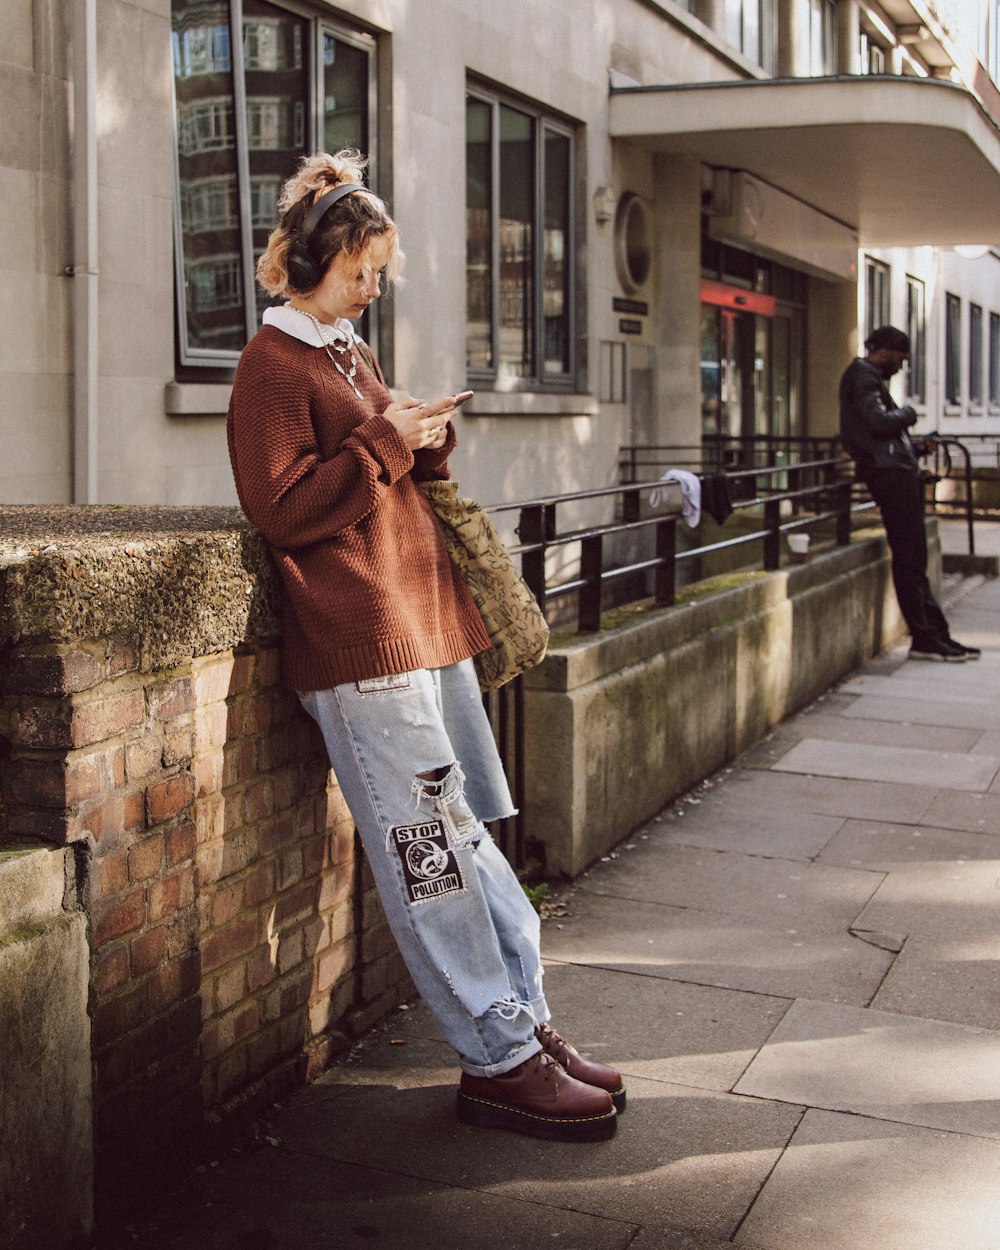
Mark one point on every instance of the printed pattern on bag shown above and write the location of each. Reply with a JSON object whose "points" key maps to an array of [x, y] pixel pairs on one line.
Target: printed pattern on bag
{"points": [[514, 621], [430, 868]]}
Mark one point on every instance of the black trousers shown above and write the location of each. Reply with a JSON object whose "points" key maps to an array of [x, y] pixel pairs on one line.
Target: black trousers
{"points": [[900, 497]]}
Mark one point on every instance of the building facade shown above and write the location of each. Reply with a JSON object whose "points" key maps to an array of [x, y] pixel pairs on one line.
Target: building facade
{"points": [[628, 222]]}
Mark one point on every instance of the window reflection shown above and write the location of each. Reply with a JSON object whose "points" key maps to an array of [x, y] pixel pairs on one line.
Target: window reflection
{"points": [[230, 174], [214, 311]]}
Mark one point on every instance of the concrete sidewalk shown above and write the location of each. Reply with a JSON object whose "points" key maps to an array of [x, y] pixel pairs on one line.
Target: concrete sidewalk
{"points": [[796, 967]]}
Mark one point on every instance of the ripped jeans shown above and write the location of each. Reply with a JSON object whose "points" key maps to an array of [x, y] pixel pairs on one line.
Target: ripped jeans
{"points": [[415, 757]]}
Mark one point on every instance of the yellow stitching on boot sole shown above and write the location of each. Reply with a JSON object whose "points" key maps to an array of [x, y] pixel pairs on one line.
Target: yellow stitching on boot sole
{"points": [[549, 1119]]}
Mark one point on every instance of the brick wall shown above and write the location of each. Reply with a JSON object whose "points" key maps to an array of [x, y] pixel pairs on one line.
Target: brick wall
{"points": [[235, 945]]}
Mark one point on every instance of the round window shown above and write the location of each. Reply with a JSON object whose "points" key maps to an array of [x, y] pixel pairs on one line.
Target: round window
{"points": [[633, 250]]}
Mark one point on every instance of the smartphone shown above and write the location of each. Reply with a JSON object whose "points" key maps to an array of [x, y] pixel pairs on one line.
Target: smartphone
{"points": [[462, 396]]}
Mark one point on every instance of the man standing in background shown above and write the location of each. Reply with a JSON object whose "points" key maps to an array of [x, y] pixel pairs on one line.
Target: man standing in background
{"points": [[874, 432]]}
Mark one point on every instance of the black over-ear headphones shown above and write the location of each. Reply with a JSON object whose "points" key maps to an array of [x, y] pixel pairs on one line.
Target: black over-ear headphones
{"points": [[303, 272]]}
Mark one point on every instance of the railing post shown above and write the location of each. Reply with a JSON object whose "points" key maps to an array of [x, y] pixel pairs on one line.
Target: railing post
{"points": [[843, 496], [531, 529], [665, 581], [591, 568], [631, 506], [772, 539]]}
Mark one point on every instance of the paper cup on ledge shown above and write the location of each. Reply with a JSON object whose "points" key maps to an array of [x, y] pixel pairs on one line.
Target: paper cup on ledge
{"points": [[799, 547]]}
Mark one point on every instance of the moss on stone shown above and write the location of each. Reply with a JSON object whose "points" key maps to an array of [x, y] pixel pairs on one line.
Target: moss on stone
{"points": [[175, 582]]}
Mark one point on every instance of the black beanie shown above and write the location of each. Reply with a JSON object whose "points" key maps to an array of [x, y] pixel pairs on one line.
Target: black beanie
{"points": [[888, 337]]}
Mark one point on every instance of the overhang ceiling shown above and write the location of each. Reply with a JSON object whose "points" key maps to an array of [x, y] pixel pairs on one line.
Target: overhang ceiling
{"points": [[903, 161]]}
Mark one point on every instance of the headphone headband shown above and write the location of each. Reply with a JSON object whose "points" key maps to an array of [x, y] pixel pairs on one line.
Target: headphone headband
{"points": [[303, 269], [323, 206]]}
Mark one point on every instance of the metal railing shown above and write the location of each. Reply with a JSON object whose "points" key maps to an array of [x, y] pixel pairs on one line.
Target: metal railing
{"points": [[787, 498], [791, 497], [801, 490], [725, 453]]}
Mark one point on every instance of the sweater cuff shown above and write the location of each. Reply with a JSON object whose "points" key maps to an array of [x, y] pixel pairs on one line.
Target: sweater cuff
{"points": [[431, 463], [384, 443]]}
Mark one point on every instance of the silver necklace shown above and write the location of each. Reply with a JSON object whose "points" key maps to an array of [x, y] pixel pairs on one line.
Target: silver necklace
{"points": [[346, 374]]}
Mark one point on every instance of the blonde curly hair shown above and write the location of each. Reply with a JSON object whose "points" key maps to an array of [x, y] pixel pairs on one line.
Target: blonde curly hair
{"points": [[359, 219]]}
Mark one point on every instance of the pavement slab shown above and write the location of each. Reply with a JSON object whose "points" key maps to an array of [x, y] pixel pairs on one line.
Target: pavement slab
{"points": [[784, 890], [830, 728], [682, 1158], [694, 1035], [950, 713], [711, 948], [870, 762], [975, 813], [782, 794], [957, 897], [892, 848], [882, 1065], [850, 1183], [794, 834], [960, 683], [276, 1198], [947, 978]]}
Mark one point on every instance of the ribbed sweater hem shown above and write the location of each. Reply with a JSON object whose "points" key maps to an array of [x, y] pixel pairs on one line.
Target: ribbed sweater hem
{"points": [[380, 659]]}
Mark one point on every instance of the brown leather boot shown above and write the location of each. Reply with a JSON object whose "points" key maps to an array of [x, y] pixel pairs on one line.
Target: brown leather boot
{"points": [[538, 1098], [586, 1070]]}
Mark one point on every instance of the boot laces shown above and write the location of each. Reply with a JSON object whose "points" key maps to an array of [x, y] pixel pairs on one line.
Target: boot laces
{"points": [[554, 1044]]}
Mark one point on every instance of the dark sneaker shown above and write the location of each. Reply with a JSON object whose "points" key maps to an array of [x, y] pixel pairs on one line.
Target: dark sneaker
{"points": [[585, 1070], [943, 652], [538, 1098], [971, 653]]}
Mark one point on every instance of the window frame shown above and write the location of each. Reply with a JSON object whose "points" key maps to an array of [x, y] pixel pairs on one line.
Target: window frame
{"points": [[952, 348], [877, 271], [975, 355], [916, 329], [993, 364], [544, 122], [198, 363]]}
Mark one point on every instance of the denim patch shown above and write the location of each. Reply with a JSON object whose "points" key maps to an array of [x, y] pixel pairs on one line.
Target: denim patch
{"points": [[383, 685], [430, 869]]}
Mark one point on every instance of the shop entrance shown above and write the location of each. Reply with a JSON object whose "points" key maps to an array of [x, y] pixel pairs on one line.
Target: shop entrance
{"points": [[752, 367]]}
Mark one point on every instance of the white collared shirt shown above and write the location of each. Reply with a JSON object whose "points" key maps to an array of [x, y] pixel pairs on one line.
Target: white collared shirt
{"points": [[309, 330]]}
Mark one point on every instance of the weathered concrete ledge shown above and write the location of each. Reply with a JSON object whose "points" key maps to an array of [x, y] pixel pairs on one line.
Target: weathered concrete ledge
{"points": [[173, 582], [618, 724]]}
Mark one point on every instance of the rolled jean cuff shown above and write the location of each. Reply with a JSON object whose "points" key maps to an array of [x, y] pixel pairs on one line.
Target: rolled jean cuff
{"points": [[531, 1047]]}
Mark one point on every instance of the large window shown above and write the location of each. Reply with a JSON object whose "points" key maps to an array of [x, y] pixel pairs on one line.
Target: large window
{"points": [[952, 349], [749, 26], [519, 244], [975, 354], [256, 86], [916, 328], [876, 295], [994, 360], [822, 37]]}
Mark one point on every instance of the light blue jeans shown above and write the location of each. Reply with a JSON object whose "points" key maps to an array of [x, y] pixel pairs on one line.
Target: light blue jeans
{"points": [[415, 757]]}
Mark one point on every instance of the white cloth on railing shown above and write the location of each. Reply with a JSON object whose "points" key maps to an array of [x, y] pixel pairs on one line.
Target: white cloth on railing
{"points": [[690, 488]]}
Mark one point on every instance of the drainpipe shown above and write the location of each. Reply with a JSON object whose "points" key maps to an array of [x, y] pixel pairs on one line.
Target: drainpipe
{"points": [[83, 269]]}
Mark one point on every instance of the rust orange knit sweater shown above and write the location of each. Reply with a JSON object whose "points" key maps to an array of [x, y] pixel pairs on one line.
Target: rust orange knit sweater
{"points": [[369, 588]]}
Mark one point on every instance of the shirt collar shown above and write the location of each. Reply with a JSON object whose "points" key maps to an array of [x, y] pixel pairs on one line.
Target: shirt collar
{"points": [[306, 329]]}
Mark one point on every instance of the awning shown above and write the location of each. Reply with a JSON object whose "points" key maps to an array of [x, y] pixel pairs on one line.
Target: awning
{"points": [[903, 161]]}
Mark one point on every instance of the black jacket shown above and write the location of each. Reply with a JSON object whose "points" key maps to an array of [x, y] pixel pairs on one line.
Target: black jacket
{"points": [[872, 428]]}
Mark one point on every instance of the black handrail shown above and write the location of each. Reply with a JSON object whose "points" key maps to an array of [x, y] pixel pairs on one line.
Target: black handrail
{"points": [[815, 490]]}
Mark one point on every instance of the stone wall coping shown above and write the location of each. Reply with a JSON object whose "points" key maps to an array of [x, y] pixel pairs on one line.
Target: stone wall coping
{"points": [[175, 582], [578, 663], [32, 888]]}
